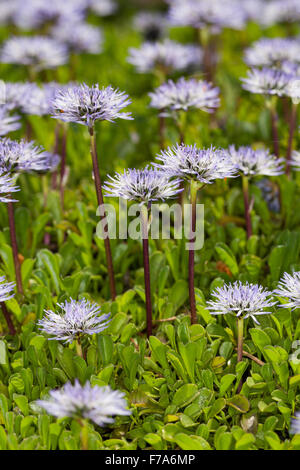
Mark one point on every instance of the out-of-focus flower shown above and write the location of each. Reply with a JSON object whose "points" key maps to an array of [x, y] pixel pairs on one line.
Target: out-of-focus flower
{"points": [[203, 165], [39, 52], [267, 82], [143, 186], [78, 318], [185, 94], [8, 123], [213, 14], [13, 94], [152, 25], [96, 403], [289, 287], [38, 100], [295, 424], [257, 162], [169, 55], [78, 36], [103, 7], [6, 289], [7, 186], [86, 105], [242, 300], [272, 52], [25, 157], [295, 160]]}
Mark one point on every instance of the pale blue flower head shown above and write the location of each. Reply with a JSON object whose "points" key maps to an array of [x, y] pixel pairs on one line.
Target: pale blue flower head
{"points": [[267, 81], [39, 52], [143, 186], [191, 163], [7, 186], [13, 94], [77, 318], [78, 36], [257, 162], [295, 424], [169, 55], [103, 7], [289, 288], [242, 300], [97, 404], [86, 105], [185, 94], [272, 52], [8, 123], [38, 100], [6, 289], [25, 157], [152, 25]]}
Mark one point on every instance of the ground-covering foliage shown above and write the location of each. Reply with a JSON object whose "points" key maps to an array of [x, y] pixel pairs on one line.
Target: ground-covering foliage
{"points": [[184, 385]]}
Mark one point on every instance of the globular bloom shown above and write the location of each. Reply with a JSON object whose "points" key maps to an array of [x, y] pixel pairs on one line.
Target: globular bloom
{"points": [[39, 52], [103, 7], [6, 289], [272, 52], [38, 100], [185, 94], [25, 157], [295, 424], [169, 55], [272, 12], [13, 94], [86, 105], [7, 186], [191, 163], [257, 162], [77, 318], [295, 160], [143, 186], [242, 300], [8, 123], [97, 404], [213, 14], [78, 36], [152, 25], [267, 81], [289, 287]]}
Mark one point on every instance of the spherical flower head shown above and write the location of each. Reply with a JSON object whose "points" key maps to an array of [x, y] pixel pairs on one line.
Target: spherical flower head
{"points": [[78, 36], [39, 52], [185, 94], [213, 14], [289, 287], [267, 81], [77, 318], [7, 186], [152, 25], [13, 94], [6, 289], [142, 186], [86, 105], [103, 7], [38, 100], [295, 424], [242, 300], [25, 157], [190, 163], [295, 160], [257, 162], [169, 55], [8, 123], [272, 52], [97, 404]]}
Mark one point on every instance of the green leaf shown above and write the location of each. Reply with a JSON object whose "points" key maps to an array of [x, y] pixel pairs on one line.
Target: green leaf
{"points": [[239, 402]]}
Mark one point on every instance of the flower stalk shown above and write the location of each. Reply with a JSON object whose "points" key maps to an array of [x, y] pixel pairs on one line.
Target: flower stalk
{"points": [[144, 216], [8, 319], [293, 124], [99, 194], [240, 339], [193, 199], [14, 245], [245, 183]]}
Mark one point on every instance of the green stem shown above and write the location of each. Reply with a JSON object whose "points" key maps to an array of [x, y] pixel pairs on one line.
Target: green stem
{"points": [[271, 104], [14, 245], [240, 339], [144, 215], [193, 196], [245, 183], [78, 347], [293, 123], [99, 194], [84, 434]]}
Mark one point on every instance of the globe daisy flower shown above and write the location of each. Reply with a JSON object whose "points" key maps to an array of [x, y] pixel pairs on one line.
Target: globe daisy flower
{"points": [[251, 163], [7, 186], [295, 424], [243, 300], [199, 167], [76, 320], [6, 293], [103, 7], [78, 36], [185, 94], [266, 81], [289, 288], [167, 56], [272, 52], [38, 52], [13, 94], [143, 186], [86, 105], [8, 123], [85, 403], [152, 25]]}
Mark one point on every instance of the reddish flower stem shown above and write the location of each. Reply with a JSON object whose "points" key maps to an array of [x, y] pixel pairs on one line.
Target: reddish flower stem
{"points": [[14, 245], [8, 319]]}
